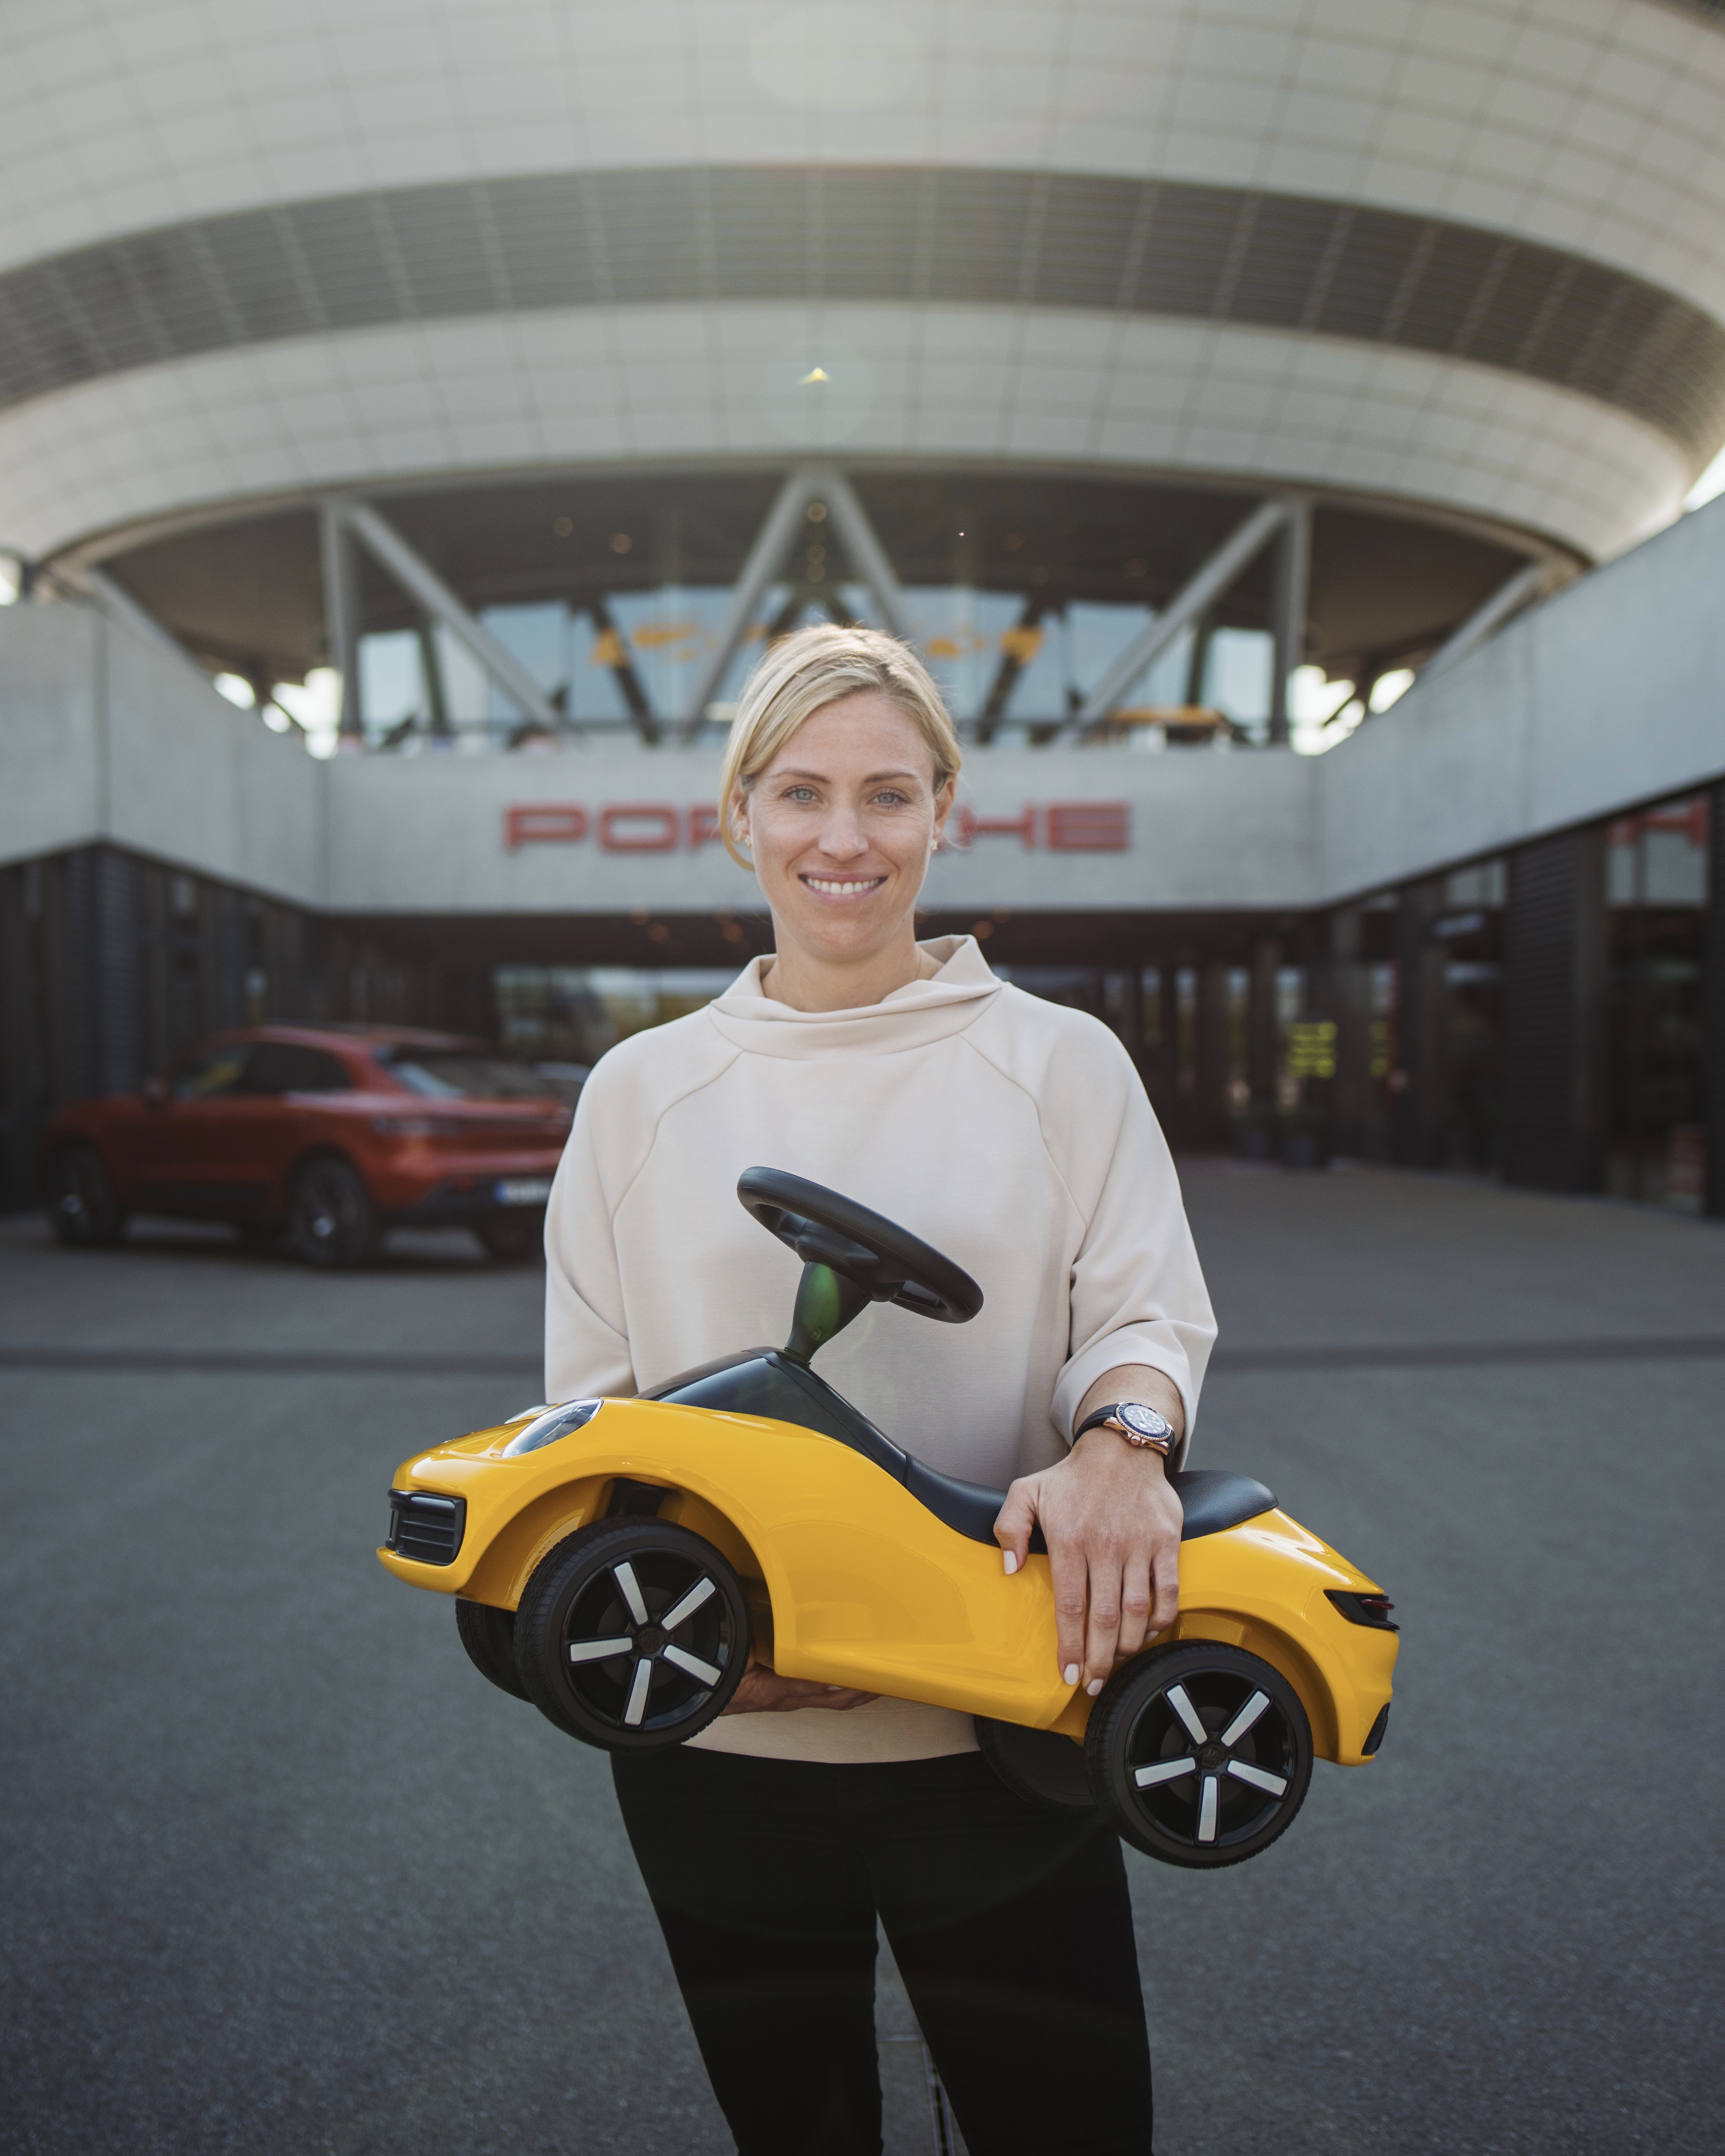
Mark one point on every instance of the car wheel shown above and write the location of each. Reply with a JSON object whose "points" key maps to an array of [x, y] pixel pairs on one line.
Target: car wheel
{"points": [[332, 1222], [489, 1636], [631, 1635], [510, 1242], [1200, 1753], [1036, 1765], [82, 1210]]}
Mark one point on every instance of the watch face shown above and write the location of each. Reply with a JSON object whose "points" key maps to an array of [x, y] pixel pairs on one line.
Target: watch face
{"points": [[1146, 1421]]}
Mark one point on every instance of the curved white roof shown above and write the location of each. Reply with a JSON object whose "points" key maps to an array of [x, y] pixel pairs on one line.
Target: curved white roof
{"points": [[1592, 129]]}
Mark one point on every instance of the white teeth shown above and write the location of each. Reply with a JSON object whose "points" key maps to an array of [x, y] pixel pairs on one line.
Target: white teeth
{"points": [[843, 889]]}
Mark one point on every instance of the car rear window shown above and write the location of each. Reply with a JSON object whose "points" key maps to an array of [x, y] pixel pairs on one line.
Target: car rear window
{"points": [[449, 1076]]}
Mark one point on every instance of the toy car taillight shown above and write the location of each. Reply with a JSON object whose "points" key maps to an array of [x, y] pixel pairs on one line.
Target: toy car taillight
{"points": [[1364, 1608]]}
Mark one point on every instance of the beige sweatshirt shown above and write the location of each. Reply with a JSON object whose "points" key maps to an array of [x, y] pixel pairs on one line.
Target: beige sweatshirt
{"points": [[1011, 1133]]}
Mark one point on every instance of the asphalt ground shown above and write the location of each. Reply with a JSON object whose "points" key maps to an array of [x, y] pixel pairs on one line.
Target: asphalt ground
{"points": [[280, 1872]]}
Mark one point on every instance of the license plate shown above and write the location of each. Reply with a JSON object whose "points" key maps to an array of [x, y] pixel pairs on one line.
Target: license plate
{"points": [[523, 1190]]}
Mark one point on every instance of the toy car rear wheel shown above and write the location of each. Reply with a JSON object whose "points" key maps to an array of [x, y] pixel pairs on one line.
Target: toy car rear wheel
{"points": [[489, 1636], [82, 1208], [631, 1635], [1200, 1753], [332, 1222]]}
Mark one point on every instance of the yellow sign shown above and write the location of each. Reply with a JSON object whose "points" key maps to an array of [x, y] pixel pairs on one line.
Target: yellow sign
{"points": [[1312, 1048]]}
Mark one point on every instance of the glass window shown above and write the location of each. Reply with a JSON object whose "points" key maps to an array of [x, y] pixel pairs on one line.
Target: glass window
{"points": [[440, 1075], [288, 1067], [1656, 897], [217, 1072]]}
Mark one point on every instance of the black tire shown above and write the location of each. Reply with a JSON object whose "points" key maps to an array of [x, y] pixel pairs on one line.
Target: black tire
{"points": [[81, 1206], [332, 1221], [489, 1636], [1036, 1765], [579, 1595], [1215, 1802], [512, 1242]]}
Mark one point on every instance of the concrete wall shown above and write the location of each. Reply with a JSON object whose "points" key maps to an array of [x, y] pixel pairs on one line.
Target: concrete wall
{"points": [[429, 834], [1610, 693], [103, 736]]}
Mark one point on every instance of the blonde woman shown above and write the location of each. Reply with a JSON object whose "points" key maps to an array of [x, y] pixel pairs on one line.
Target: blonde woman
{"points": [[1014, 1136]]}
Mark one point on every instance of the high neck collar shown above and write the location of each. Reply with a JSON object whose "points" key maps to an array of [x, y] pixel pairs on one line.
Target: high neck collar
{"points": [[921, 1012]]}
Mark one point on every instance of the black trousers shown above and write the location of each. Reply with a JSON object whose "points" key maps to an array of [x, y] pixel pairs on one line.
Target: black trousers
{"points": [[1011, 1926]]}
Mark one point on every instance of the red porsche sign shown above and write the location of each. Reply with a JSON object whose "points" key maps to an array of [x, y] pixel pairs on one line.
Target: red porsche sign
{"points": [[659, 827]]}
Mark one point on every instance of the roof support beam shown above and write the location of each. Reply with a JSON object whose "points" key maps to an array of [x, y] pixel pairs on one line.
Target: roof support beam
{"points": [[1293, 577], [1200, 591], [119, 605], [765, 557], [868, 556], [341, 618], [422, 582], [1527, 584]]}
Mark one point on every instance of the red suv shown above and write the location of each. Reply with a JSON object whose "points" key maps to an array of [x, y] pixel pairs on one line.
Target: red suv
{"points": [[332, 1135]]}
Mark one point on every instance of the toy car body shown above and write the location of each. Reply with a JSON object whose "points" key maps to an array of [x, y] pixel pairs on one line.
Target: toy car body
{"points": [[615, 1561]]}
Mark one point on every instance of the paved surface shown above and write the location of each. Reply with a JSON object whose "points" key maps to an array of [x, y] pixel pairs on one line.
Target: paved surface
{"points": [[279, 1873]]}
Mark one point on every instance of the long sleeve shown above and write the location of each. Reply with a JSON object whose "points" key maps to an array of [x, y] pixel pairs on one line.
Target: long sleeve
{"points": [[586, 1349], [1138, 1295]]}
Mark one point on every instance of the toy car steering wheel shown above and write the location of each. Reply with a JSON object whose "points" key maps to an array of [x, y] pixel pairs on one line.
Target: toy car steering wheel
{"points": [[884, 1262]]}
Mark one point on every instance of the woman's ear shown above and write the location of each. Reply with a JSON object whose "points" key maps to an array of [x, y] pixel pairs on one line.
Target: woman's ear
{"points": [[739, 812], [944, 796]]}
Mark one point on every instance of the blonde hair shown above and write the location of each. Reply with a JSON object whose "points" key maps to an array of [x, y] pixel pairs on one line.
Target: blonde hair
{"points": [[818, 666]]}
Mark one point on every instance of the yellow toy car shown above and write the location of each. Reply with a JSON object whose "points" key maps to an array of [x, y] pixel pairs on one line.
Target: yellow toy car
{"points": [[617, 1562]]}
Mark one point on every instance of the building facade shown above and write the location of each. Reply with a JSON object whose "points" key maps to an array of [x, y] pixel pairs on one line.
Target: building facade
{"points": [[475, 392]]}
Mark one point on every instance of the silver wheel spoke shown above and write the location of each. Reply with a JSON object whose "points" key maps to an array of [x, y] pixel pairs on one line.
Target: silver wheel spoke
{"points": [[1244, 1720], [700, 1592], [598, 1650], [694, 1665], [638, 1694], [1176, 1698], [1207, 1811], [1168, 1770], [629, 1588], [1260, 1778]]}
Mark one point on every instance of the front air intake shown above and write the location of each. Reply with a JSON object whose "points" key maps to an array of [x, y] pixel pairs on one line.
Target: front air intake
{"points": [[425, 1528]]}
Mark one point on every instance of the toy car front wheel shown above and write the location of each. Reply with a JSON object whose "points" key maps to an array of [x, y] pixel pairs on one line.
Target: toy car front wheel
{"points": [[1200, 1754], [489, 1636], [82, 1208], [631, 1635]]}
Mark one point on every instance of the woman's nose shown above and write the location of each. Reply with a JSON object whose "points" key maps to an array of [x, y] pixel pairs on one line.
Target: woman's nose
{"points": [[841, 835]]}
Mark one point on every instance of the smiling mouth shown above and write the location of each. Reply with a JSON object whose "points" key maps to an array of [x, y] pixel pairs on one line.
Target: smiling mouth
{"points": [[842, 887]]}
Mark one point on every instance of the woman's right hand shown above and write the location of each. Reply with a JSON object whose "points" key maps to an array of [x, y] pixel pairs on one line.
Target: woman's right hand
{"points": [[763, 1690]]}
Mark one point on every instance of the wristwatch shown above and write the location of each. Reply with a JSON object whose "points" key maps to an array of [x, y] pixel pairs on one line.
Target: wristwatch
{"points": [[1139, 1425]]}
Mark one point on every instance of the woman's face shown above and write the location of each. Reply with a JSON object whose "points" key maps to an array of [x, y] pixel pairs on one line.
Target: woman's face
{"points": [[841, 824]]}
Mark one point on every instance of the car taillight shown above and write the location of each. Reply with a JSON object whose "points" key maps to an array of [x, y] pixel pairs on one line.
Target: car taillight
{"points": [[1372, 1609]]}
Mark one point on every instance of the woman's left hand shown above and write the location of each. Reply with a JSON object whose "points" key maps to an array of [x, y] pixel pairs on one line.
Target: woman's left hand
{"points": [[1112, 1521]]}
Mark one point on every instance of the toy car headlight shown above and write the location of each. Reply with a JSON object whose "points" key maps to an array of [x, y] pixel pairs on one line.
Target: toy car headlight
{"points": [[547, 1428]]}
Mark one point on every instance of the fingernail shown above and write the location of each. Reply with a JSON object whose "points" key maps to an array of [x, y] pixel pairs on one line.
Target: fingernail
{"points": [[1071, 1672], [1094, 1687], [1012, 1560]]}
